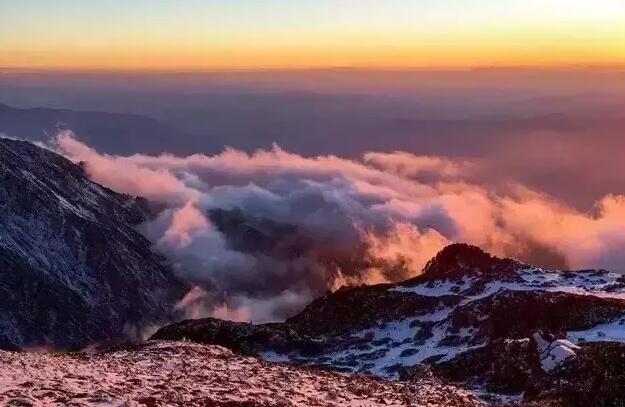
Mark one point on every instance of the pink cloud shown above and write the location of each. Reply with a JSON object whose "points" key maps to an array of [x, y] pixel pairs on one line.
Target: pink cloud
{"points": [[380, 202]]}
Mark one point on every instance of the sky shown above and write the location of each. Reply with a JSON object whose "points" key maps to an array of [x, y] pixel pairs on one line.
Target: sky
{"points": [[259, 34]]}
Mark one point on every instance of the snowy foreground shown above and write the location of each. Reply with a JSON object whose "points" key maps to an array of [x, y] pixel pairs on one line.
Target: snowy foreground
{"points": [[186, 374]]}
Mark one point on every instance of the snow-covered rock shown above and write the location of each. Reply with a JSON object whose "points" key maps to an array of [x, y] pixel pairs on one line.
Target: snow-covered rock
{"points": [[553, 352], [464, 301]]}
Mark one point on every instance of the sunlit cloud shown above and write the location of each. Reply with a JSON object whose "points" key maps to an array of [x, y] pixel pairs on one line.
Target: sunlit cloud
{"points": [[370, 220]]}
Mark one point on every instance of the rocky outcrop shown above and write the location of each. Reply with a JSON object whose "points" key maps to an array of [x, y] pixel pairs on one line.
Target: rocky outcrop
{"points": [[457, 261], [242, 337]]}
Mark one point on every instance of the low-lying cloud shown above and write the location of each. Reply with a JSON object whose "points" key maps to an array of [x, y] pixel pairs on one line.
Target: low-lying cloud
{"points": [[262, 234]]}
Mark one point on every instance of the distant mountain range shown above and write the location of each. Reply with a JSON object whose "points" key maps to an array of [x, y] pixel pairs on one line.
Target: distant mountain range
{"points": [[542, 148], [112, 133]]}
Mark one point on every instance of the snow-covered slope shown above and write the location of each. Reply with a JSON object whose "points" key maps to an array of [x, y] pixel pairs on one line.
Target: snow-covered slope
{"points": [[162, 373], [73, 269], [465, 306]]}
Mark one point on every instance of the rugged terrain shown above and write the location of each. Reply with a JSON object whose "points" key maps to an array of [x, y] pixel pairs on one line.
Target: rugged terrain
{"points": [[508, 330], [161, 373], [73, 269]]}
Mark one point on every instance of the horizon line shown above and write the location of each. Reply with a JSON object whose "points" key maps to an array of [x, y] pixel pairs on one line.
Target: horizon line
{"points": [[329, 68]]}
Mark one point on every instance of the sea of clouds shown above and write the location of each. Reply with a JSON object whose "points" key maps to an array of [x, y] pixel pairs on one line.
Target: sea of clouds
{"points": [[376, 219]]}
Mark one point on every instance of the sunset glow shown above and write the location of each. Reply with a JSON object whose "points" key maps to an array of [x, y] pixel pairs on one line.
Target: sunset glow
{"points": [[247, 34]]}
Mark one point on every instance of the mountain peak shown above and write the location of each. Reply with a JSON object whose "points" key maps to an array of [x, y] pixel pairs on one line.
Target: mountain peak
{"points": [[461, 259], [496, 325]]}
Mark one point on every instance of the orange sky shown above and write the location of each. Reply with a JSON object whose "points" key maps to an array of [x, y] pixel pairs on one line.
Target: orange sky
{"points": [[250, 34]]}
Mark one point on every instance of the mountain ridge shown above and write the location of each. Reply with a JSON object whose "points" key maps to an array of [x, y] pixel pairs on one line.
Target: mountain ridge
{"points": [[74, 270], [501, 327], [114, 133]]}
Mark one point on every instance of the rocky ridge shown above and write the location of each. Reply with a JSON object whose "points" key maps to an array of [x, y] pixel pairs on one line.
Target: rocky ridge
{"points": [[496, 325]]}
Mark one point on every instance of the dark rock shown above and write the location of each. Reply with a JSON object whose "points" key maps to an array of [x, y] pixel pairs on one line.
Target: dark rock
{"points": [[515, 314], [459, 260], [506, 367], [243, 337], [408, 352]]}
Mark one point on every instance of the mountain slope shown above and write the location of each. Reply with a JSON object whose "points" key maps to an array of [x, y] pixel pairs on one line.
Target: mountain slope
{"points": [[185, 374], [493, 324], [73, 269]]}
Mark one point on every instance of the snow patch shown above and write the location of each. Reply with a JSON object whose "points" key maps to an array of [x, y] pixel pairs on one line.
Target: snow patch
{"points": [[612, 331], [553, 353], [595, 283]]}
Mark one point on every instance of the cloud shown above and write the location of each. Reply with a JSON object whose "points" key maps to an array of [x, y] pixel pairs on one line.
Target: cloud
{"points": [[262, 234], [413, 166], [405, 243], [127, 175]]}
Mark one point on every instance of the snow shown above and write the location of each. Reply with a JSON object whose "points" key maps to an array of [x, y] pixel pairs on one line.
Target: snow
{"points": [[613, 331], [189, 374], [434, 288], [555, 357], [553, 353], [527, 278], [64, 203], [388, 345], [437, 315], [275, 357], [596, 283], [382, 348], [391, 344], [496, 398]]}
